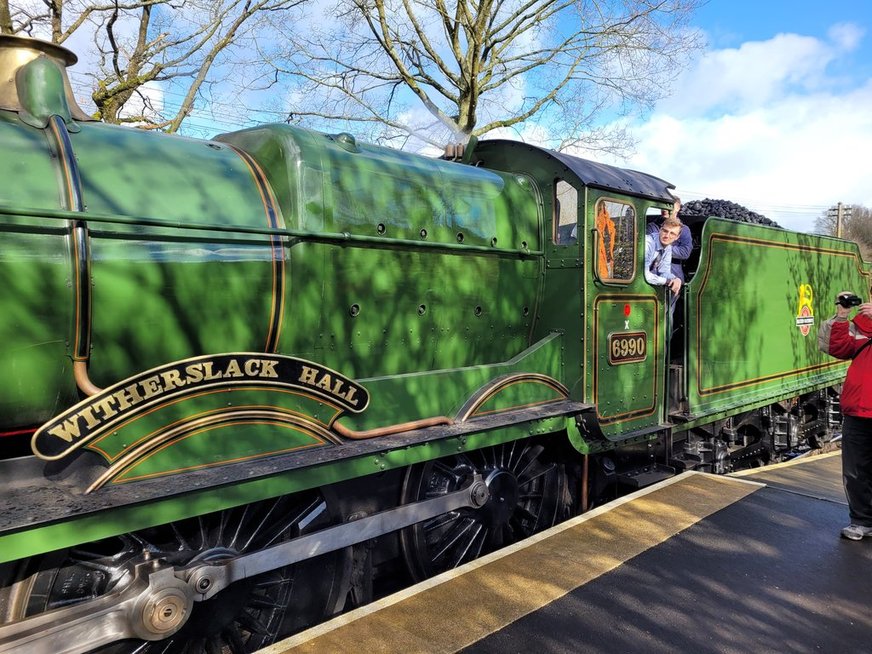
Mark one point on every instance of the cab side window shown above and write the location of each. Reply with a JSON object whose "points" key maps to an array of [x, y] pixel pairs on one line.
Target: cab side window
{"points": [[615, 224], [565, 213]]}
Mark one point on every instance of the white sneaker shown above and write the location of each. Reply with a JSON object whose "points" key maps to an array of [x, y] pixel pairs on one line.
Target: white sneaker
{"points": [[856, 532]]}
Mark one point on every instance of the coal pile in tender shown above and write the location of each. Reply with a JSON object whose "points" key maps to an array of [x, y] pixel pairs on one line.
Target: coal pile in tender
{"points": [[697, 210]]}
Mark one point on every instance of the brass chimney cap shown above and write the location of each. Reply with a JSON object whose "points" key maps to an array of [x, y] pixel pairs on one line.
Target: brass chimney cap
{"points": [[53, 50], [16, 52]]}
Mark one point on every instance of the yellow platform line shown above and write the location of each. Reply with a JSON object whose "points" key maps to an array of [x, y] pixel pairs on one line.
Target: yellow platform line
{"points": [[750, 472], [454, 610]]}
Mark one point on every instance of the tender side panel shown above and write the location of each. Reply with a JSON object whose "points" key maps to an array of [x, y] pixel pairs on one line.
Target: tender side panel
{"points": [[754, 308]]}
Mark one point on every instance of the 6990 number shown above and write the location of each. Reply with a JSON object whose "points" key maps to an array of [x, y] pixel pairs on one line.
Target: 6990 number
{"points": [[626, 347]]}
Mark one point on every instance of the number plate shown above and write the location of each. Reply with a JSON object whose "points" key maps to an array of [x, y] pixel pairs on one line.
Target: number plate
{"points": [[627, 347]]}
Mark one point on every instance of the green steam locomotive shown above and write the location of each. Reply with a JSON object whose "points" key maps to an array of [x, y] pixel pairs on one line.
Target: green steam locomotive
{"points": [[246, 379]]}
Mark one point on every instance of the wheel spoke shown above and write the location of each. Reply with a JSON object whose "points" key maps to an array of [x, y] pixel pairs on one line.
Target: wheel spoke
{"points": [[441, 521], [219, 535], [527, 494], [203, 532], [537, 475], [261, 526], [478, 529], [180, 537], [259, 601], [514, 446], [252, 624], [234, 639], [510, 534], [232, 542], [522, 512], [141, 648], [267, 583], [532, 460], [450, 540], [447, 472]]}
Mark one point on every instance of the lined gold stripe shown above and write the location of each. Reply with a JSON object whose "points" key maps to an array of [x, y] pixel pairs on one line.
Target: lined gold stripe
{"points": [[472, 409], [81, 258], [458, 608], [641, 412], [207, 422], [274, 221]]}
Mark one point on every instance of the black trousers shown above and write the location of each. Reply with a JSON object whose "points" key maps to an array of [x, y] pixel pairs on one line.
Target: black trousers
{"points": [[857, 468]]}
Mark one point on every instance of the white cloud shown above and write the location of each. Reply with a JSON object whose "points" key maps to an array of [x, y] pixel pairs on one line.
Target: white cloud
{"points": [[847, 36], [765, 126], [759, 72], [147, 101]]}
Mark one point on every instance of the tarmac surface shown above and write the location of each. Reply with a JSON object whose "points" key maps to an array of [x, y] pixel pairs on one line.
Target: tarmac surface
{"points": [[700, 563]]}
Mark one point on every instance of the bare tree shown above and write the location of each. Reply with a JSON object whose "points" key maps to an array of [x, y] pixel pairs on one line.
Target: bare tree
{"points": [[6, 25], [149, 48], [440, 71], [38, 16], [856, 226]]}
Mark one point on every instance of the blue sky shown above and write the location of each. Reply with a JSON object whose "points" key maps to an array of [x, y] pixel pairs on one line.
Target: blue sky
{"points": [[775, 114], [732, 22], [729, 24]]}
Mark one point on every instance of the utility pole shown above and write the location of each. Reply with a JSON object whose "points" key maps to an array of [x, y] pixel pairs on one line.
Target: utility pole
{"points": [[841, 212]]}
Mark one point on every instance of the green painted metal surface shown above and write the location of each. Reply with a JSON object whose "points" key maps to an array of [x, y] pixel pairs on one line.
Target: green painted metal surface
{"points": [[574, 300], [32, 167], [371, 308], [36, 323], [179, 181], [754, 308], [159, 298], [629, 394]]}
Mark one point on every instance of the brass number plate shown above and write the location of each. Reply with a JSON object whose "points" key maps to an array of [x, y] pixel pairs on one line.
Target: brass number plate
{"points": [[627, 347]]}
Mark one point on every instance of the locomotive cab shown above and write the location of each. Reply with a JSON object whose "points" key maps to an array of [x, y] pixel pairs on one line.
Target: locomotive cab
{"points": [[615, 323]]}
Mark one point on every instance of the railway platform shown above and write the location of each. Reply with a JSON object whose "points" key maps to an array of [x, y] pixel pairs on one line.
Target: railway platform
{"points": [[700, 563]]}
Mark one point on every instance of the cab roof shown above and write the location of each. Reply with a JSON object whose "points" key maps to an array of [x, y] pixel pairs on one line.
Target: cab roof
{"points": [[593, 174]]}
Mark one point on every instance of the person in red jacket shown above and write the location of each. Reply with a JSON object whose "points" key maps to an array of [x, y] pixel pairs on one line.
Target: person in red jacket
{"points": [[850, 339]]}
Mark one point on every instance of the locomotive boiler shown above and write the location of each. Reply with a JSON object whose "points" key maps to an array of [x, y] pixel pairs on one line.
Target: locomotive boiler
{"points": [[246, 379]]}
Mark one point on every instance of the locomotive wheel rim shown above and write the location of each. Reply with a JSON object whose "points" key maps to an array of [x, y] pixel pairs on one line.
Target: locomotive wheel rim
{"points": [[243, 618], [528, 493]]}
